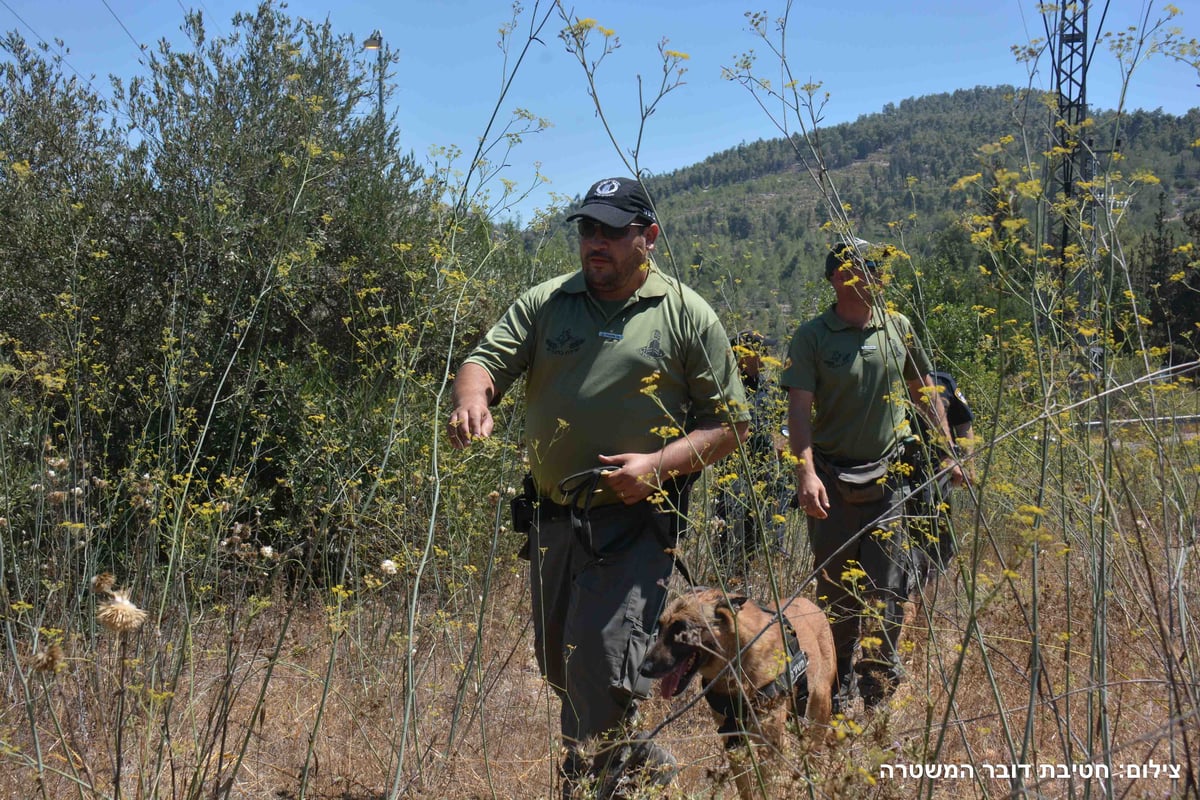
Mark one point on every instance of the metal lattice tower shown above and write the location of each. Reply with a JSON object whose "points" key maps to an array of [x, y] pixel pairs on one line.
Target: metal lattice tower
{"points": [[1070, 84]]}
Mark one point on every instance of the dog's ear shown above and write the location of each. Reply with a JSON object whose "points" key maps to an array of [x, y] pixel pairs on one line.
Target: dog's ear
{"points": [[726, 609]]}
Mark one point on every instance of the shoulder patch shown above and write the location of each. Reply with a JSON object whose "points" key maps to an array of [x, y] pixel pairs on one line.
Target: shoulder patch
{"points": [[654, 348]]}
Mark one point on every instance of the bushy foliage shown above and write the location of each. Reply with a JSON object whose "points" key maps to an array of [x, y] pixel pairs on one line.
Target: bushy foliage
{"points": [[233, 297]]}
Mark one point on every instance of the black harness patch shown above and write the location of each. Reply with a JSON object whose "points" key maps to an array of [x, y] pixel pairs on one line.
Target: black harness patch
{"points": [[793, 681]]}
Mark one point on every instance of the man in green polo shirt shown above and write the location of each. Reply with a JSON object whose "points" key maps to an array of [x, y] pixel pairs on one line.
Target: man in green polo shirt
{"points": [[851, 376], [629, 375]]}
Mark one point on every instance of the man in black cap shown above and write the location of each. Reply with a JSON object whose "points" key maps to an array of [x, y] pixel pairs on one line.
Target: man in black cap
{"points": [[631, 387]]}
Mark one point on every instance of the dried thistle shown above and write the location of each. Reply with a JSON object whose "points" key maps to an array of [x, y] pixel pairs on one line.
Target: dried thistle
{"points": [[103, 583], [49, 660], [119, 614]]}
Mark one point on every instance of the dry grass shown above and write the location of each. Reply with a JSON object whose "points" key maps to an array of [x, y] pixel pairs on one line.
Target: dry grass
{"points": [[490, 730], [1062, 638]]}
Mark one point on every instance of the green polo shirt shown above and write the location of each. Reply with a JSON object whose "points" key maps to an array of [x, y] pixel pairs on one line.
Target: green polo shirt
{"points": [[611, 377], [858, 380]]}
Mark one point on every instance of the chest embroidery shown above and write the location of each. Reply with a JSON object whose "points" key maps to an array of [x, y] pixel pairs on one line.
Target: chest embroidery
{"points": [[839, 360], [564, 343]]}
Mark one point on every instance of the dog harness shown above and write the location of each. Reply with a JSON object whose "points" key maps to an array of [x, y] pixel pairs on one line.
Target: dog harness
{"points": [[793, 681]]}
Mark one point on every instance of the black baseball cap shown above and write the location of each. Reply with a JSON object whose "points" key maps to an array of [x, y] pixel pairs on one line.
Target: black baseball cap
{"points": [[752, 340], [616, 202]]}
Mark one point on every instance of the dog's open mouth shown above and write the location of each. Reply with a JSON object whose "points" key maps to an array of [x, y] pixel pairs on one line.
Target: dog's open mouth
{"points": [[677, 679]]}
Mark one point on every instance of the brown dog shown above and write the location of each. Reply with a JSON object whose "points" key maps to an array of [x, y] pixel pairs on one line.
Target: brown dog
{"points": [[744, 657]]}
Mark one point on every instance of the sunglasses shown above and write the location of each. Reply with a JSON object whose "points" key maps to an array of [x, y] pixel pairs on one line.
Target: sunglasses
{"points": [[589, 228], [869, 266]]}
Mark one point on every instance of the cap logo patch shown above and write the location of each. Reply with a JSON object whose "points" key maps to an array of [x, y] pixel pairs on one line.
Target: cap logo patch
{"points": [[607, 189]]}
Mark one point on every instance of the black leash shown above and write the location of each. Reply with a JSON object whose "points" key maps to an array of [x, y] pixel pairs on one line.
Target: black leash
{"points": [[580, 490]]}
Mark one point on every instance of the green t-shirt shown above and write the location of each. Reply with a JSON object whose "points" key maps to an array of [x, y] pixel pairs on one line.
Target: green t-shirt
{"points": [[858, 380], [609, 378]]}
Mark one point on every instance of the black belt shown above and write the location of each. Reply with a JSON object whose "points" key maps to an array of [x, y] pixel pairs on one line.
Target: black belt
{"points": [[580, 488], [550, 511]]}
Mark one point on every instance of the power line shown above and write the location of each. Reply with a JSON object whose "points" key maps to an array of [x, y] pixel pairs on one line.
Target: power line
{"points": [[61, 52], [140, 47], [210, 17], [20, 20]]}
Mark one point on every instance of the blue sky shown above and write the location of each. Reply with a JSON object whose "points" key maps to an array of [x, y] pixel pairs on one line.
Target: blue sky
{"points": [[448, 78]]}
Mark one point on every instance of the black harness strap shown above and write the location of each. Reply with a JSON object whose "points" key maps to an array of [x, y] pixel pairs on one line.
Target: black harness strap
{"points": [[735, 707], [580, 489]]}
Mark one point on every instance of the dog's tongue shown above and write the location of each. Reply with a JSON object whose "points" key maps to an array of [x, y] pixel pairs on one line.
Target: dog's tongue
{"points": [[669, 684]]}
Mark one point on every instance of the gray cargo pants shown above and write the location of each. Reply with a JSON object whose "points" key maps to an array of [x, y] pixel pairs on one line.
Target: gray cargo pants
{"points": [[880, 554], [593, 620]]}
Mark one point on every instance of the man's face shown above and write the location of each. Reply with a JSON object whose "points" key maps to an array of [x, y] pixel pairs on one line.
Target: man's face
{"points": [[615, 259], [749, 358], [866, 280]]}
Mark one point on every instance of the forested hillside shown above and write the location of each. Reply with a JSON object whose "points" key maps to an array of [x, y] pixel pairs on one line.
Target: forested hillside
{"points": [[752, 217]]}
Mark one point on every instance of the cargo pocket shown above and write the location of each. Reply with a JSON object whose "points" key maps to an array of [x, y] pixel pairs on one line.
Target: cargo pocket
{"points": [[630, 682]]}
